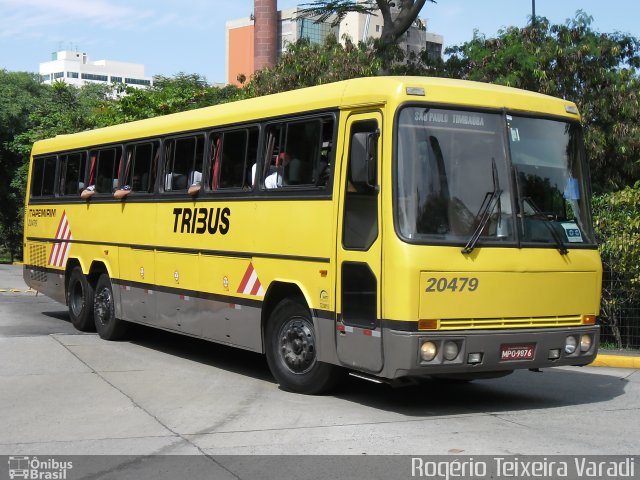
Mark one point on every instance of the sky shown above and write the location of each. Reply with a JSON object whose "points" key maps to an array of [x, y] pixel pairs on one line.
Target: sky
{"points": [[170, 36]]}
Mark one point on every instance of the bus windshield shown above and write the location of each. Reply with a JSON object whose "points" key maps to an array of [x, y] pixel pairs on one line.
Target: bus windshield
{"points": [[459, 182]]}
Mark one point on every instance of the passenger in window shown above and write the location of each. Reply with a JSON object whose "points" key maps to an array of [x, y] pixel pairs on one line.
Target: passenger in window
{"points": [[274, 180]]}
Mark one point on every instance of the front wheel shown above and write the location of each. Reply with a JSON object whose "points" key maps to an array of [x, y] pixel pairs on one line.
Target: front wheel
{"points": [[291, 348], [104, 312]]}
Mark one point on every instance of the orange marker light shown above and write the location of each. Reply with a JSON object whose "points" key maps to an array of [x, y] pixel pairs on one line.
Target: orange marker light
{"points": [[430, 324], [588, 319]]}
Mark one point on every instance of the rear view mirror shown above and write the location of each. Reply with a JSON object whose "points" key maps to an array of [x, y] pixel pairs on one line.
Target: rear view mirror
{"points": [[364, 160]]}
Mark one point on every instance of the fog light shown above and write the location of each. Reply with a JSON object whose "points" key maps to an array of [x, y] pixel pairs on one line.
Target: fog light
{"points": [[474, 358], [570, 345], [428, 351], [554, 354], [585, 343], [450, 350]]}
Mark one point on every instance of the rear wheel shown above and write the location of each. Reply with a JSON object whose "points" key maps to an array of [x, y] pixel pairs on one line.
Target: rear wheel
{"points": [[291, 348], [80, 301], [104, 312]]}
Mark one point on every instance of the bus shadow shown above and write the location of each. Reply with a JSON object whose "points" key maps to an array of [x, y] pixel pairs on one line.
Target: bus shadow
{"points": [[522, 390], [231, 359]]}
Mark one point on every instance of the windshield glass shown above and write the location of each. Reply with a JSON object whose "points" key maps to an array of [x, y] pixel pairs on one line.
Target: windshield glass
{"points": [[549, 169], [455, 184], [452, 176]]}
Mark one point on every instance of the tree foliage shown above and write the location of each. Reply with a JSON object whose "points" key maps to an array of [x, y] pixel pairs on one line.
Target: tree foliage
{"points": [[305, 64], [19, 92], [167, 95], [397, 16], [617, 223]]}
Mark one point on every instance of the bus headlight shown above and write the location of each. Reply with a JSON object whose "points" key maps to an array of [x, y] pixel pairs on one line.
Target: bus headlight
{"points": [[570, 344], [450, 350], [428, 351], [585, 343]]}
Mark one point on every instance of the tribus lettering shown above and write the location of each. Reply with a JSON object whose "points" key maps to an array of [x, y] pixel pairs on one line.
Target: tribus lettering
{"points": [[201, 220]]}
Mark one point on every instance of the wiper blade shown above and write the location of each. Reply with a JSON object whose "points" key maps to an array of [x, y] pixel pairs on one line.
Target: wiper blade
{"points": [[562, 248], [491, 199]]}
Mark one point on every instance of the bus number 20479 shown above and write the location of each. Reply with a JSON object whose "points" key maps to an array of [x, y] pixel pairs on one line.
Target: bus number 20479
{"points": [[456, 284]]}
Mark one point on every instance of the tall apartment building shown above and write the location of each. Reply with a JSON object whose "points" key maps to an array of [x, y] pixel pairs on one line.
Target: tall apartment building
{"points": [[76, 69], [291, 26]]}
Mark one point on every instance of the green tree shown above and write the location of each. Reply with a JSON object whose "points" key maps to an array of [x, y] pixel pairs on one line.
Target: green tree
{"points": [[397, 16], [19, 93], [167, 95], [617, 223], [305, 64], [598, 71]]}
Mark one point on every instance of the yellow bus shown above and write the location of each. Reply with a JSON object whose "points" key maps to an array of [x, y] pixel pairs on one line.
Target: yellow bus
{"points": [[395, 227]]}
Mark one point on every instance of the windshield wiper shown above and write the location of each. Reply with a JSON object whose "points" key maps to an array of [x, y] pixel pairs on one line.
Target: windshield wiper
{"points": [[491, 199], [538, 214]]}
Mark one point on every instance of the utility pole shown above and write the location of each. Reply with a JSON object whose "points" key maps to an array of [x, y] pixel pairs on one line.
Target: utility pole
{"points": [[533, 13]]}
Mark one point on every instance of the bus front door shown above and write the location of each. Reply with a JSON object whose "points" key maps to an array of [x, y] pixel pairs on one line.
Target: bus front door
{"points": [[358, 329]]}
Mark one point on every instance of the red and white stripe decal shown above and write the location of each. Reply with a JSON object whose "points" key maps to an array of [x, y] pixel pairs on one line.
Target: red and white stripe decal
{"points": [[60, 250], [250, 284]]}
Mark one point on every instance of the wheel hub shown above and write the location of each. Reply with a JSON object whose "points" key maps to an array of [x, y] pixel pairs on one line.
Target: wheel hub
{"points": [[297, 346], [103, 304]]}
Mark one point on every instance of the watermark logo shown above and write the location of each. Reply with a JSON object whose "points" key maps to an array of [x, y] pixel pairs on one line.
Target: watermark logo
{"points": [[38, 469]]}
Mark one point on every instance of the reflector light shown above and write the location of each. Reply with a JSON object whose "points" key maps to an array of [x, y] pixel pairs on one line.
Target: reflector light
{"points": [[428, 324], [474, 358], [554, 354], [418, 91]]}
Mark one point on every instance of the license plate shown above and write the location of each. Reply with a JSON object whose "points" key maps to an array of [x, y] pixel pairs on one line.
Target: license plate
{"points": [[517, 352]]}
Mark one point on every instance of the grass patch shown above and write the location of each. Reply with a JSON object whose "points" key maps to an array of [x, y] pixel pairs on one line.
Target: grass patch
{"points": [[4, 256]]}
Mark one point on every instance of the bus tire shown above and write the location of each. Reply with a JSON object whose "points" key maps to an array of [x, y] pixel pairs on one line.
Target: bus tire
{"points": [[104, 312], [80, 301], [291, 351]]}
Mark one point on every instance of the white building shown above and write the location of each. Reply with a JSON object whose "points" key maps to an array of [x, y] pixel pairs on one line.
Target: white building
{"points": [[75, 68]]}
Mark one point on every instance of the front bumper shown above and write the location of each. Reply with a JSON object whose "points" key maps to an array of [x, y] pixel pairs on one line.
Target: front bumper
{"points": [[402, 359]]}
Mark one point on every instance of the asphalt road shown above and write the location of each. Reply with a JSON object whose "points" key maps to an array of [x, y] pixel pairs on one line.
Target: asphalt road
{"points": [[62, 392]]}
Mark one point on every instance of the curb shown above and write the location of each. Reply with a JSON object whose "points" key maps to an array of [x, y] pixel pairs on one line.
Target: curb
{"points": [[616, 361]]}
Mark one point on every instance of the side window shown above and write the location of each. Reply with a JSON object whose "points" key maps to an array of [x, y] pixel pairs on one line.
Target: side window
{"points": [[360, 220], [140, 167], [73, 169], [183, 163], [298, 153], [104, 169], [43, 176], [233, 157]]}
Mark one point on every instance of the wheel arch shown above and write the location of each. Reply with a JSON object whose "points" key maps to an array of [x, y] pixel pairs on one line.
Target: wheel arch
{"points": [[278, 291]]}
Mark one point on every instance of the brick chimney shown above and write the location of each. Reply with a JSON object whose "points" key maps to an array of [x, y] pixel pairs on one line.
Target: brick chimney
{"points": [[265, 33]]}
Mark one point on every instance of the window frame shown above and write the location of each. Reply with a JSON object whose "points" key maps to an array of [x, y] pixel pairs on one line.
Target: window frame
{"points": [[156, 155], [116, 168], [63, 160], [309, 189], [163, 158], [211, 162], [54, 177]]}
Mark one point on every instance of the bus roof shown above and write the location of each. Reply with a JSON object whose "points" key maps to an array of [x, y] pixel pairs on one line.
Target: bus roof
{"points": [[340, 95]]}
